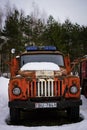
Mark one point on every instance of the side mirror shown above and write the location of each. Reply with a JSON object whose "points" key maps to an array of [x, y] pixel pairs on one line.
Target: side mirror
{"points": [[13, 50]]}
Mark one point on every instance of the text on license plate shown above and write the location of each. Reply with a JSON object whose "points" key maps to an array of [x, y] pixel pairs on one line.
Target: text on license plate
{"points": [[46, 105]]}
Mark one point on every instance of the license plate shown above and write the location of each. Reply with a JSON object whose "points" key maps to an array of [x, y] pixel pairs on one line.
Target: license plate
{"points": [[46, 105]]}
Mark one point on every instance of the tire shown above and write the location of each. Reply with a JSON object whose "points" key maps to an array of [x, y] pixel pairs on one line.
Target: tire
{"points": [[85, 91], [14, 115], [73, 113], [84, 88]]}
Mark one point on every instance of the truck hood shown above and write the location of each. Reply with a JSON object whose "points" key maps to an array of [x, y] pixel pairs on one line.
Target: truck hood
{"points": [[41, 69], [40, 66]]}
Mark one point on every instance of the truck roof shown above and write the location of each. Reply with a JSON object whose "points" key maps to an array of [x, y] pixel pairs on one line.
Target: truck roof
{"points": [[30, 50], [41, 52]]}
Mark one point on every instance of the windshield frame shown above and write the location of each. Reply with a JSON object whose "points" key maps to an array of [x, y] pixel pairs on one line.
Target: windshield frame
{"points": [[44, 56]]}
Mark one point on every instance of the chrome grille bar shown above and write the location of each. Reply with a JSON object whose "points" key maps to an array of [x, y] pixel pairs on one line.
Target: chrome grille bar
{"points": [[44, 88]]}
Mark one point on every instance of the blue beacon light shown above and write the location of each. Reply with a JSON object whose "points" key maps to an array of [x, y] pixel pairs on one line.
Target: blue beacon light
{"points": [[44, 48]]}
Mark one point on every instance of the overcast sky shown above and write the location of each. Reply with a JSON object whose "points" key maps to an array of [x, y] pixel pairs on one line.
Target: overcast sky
{"points": [[75, 10]]}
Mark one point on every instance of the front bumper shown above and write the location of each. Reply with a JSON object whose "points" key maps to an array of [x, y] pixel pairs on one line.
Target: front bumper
{"points": [[61, 104]]}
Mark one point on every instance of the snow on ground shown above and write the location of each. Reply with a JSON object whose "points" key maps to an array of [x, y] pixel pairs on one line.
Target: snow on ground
{"points": [[4, 113]]}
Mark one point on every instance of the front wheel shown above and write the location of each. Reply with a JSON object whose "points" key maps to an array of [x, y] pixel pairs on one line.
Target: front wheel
{"points": [[73, 113], [14, 115], [85, 91]]}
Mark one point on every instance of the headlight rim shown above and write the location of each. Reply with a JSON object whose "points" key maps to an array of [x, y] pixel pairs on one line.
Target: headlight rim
{"points": [[75, 91], [16, 94]]}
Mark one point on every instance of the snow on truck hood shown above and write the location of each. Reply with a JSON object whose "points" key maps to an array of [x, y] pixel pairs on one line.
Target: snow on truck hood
{"points": [[40, 66]]}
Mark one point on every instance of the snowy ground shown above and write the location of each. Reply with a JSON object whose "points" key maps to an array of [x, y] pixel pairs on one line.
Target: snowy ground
{"points": [[4, 112]]}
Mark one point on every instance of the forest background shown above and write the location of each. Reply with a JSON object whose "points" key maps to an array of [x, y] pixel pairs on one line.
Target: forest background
{"points": [[18, 30]]}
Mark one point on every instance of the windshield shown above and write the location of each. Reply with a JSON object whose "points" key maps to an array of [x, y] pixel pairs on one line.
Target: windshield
{"points": [[57, 59]]}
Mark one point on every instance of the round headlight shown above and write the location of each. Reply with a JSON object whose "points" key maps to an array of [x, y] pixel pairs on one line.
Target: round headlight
{"points": [[73, 89], [16, 91]]}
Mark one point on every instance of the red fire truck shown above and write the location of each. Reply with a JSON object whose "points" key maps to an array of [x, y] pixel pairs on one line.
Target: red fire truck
{"points": [[80, 66], [33, 85]]}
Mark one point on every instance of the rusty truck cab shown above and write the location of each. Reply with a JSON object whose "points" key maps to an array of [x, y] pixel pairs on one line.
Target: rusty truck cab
{"points": [[43, 88]]}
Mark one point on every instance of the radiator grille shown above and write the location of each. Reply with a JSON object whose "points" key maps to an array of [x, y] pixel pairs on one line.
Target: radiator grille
{"points": [[43, 88]]}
